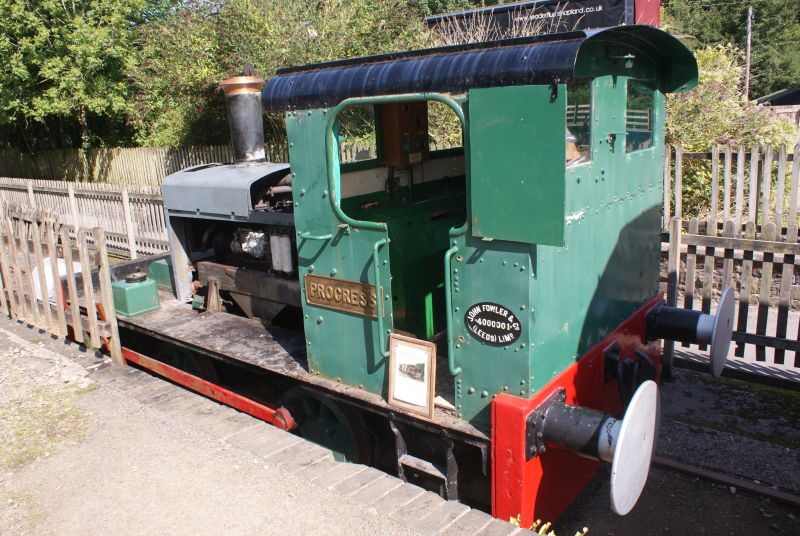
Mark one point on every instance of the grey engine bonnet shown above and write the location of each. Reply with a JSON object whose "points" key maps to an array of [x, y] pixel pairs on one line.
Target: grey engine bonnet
{"points": [[217, 191]]}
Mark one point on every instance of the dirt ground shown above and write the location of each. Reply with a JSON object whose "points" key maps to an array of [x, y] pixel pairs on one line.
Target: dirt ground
{"points": [[78, 458]]}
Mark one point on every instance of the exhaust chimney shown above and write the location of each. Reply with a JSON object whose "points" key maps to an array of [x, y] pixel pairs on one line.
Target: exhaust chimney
{"points": [[243, 101]]}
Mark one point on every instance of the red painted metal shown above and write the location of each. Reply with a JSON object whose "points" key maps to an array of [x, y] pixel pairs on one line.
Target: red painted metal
{"points": [[648, 12], [279, 417], [543, 487]]}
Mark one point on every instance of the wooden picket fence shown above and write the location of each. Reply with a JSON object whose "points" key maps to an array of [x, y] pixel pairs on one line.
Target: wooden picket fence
{"points": [[76, 299], [132, 216], [142, 166], [749, 242]]}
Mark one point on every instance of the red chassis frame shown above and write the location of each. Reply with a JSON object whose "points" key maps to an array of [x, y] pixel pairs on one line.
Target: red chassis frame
{"points": [[544, 486], [278, 417]]}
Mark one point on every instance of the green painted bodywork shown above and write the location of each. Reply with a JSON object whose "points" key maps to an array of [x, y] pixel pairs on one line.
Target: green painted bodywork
{"points": [[133, 299], [572, 251], [517, 163], [159, 271]]}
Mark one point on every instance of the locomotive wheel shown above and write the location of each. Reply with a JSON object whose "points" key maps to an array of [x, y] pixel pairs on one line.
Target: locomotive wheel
{"points": [[196, 365], [322, 421]]}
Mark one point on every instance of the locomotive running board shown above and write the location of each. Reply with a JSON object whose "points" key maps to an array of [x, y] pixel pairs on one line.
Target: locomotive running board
{"points": [[278, 417]]}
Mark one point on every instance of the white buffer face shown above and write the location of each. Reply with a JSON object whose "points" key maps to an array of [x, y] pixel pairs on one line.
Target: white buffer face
{"points": [[723, 332], [634, 448]]}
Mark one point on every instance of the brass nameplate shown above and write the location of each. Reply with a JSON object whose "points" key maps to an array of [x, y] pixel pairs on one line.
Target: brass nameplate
{"points": [[341, 294]]}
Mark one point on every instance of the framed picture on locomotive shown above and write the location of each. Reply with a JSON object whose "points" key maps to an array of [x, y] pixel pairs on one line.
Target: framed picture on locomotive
{"points": [[526, 260]]}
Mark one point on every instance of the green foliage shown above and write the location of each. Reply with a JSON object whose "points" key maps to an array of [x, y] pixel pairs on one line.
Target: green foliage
{"points": [[64, 68], [776, 35], [715, 112], [182, 58]]}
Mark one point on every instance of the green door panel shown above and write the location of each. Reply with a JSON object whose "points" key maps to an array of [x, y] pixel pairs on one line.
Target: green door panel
{"points": [[340, 345], [517, 141]]}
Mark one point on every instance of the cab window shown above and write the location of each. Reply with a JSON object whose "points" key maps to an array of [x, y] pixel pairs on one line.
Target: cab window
{"points": [[639, 117], [579, 121]]}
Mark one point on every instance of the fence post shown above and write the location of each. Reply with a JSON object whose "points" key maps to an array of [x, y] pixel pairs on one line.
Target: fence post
{"points": [[106, 296], [8, 283], [61, 321], [673, 280], [88, 288], [715, 181], [73, 207], [129, 227], [667, 185], [43, 291], [740, 158], [766, 186], [31, 198], [678, 181], [752, 203], [14, 256], [72, 291]]}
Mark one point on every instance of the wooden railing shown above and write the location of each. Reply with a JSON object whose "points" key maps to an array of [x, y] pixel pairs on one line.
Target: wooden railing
{"points": [[132, 217], [748, 241], [57, 284]]}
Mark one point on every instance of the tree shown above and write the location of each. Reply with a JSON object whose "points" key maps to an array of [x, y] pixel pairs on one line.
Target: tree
{"points": [[776, 35], [64, 81], [182, 59]]}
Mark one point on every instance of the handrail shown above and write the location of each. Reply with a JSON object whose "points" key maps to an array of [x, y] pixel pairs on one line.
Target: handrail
{"points": [[308, 236], [379, 296], [331, 148], [448, 298]]}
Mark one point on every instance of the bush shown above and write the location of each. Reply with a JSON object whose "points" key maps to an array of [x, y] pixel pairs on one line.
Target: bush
{"points": [[715, 112]]}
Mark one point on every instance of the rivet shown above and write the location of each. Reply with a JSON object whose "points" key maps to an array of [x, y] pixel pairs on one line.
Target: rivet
{"points": [[484, 394], [458, 346], [516, 264], [325, 194], [306, 317], [522, 382], [455, 270], [311, 268], [480, 260], [291, 144], [320, 320], [522, 392], [297, 204], [456, 309], [504, 263], [458, 381], [303, 192], [471, 390], [505, 388], [360, 385], [339, 379], [333, 272]]}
